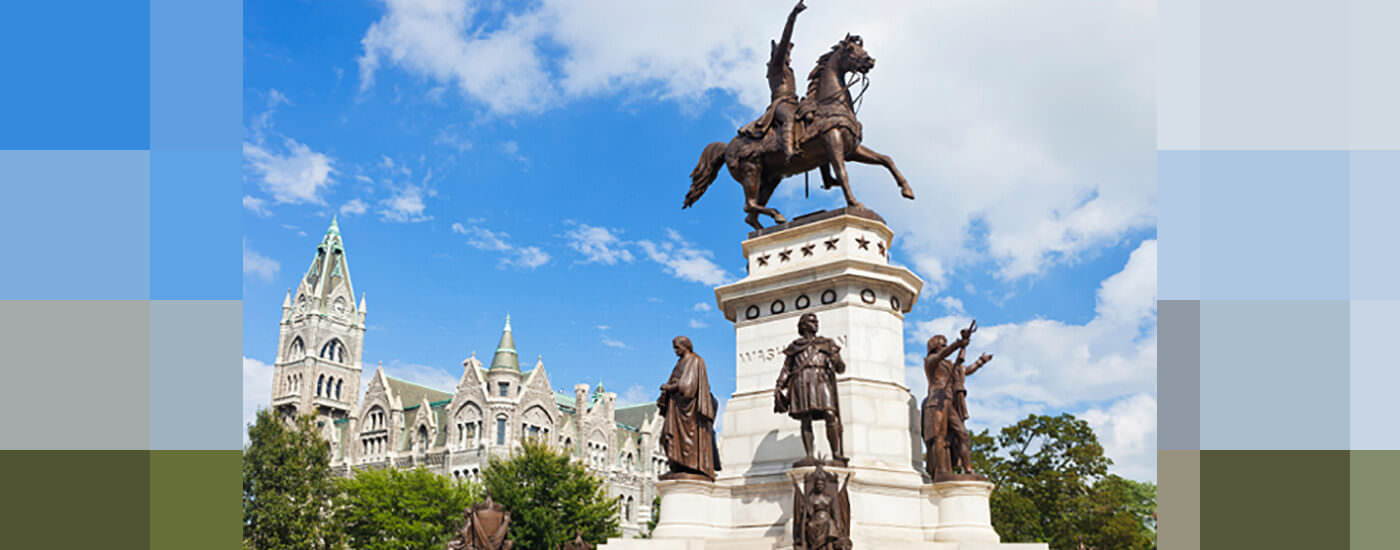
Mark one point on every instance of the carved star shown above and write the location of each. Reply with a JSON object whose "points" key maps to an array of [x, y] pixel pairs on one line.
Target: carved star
{"points": [[881, 245], [785, 255], [831, 243], [807, 249], [863, 242], [763, 260]]}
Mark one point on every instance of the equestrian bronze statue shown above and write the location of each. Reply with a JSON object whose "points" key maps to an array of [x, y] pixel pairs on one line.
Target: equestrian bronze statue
{"points": [[821, 133]]}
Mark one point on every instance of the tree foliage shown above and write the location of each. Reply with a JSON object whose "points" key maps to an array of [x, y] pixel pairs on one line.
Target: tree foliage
{"points": [[404, 509], [1053, 486], [289, 500], [550, 498]]}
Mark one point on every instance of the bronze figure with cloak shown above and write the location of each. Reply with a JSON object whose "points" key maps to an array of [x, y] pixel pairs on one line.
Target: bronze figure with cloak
{"points": [[688, 407], [486, 527], [806, 388], [821, 512]]}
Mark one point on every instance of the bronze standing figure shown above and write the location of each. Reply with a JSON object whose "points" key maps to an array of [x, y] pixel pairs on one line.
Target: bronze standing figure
{"points": [[688, 407], [825, 133], [821, 513], [806, 388], [948, 444], [486, 528]]}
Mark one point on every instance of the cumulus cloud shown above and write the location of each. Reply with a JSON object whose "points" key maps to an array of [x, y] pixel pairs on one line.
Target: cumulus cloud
{"points": [[257, 391], [406, 204], [1044, 365], [257, 266], [698, 324], [256, 205], [702, 307], [482, 238], [683, 260], [291, 173], [1025, 152], [635, 395], [354, 207], [598, 244], [1128, 431]]}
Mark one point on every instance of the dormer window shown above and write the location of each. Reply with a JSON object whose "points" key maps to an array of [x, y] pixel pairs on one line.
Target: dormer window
{"points": [[504, 388]]}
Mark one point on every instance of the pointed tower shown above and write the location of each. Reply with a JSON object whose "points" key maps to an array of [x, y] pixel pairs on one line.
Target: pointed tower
{"points": [[321, 338], [503, 389]]}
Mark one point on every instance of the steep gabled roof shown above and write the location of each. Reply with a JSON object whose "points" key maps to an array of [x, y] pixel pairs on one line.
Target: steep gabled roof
{"points": [[635, 416], [408, 392]]}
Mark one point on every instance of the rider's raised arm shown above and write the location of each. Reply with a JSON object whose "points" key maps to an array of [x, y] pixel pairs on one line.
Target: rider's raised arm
{"points": [[781, 49]]}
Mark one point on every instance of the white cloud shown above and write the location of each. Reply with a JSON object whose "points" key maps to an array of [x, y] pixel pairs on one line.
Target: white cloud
{"points": [[256, 206], [612, 343], [598, 244], [512, 150], [1128, 432], [682, 260], [257, 391], [702, 306], [1025, 152], [354, 208], [526, 257], [698, 324], [405, 205], [451, 139], [1046, 365], [951, 304], [423, 375], [258, 266], [293, 175], [635, 395]]}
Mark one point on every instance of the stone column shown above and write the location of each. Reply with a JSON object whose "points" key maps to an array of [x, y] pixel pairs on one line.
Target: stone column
{"points": [[964, 512]]}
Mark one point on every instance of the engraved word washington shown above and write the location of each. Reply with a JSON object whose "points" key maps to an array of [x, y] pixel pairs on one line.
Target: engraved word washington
{"points": [[775, 353]]}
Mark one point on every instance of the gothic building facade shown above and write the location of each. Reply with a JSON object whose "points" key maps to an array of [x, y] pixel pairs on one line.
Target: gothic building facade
{"points": [[493, 408]]}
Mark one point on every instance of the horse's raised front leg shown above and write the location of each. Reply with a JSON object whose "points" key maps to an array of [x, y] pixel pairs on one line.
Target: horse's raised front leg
{"points": [[866, 155], [836, 147]]}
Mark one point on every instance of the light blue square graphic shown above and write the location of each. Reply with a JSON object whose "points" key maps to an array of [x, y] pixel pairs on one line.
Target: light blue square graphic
{"points": [[1375, 374], [1373, 84], [196, 73], [1179, 225], [1274, 225], [1274, 375], [1375, 225], [76, 225], [196, 224], [196, 375], [1273, 75]]}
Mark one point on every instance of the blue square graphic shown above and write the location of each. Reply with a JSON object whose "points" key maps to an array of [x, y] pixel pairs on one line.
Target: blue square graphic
{"points": [[77, 75], [1274, 375], [76, 225], [196, 73], [1375, 225], [1179, 225], [1274, 225], [196, 224]]}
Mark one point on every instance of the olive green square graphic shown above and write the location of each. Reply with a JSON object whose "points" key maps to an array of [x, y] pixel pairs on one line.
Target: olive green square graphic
{"points": [[1274, 499], [196, 499], [76, 499]]}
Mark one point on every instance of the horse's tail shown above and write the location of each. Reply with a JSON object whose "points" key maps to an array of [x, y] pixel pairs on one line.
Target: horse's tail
{"points": [[705, 171]]}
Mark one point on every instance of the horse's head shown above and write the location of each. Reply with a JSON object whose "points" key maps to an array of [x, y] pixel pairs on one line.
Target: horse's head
{"points": [[851, 55]]}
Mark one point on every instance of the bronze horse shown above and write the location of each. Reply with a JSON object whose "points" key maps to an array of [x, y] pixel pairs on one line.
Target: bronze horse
{"points": [[828, 136]]}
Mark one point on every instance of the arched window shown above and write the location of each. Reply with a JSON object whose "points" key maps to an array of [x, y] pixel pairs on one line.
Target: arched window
{"points": [[627, 510], [320, 381], [422, 439], [338, 384], [297, 350], [333, 351], [500, 430]]}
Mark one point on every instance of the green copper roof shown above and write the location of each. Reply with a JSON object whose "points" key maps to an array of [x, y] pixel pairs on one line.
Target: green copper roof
{"points": [[335, 226], [506, 357]]}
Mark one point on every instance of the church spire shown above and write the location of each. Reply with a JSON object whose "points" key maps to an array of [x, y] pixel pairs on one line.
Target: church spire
{"points": [[506, 358], [326, 287]]}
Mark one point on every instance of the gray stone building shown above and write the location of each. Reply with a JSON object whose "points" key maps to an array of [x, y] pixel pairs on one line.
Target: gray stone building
{"points": [[398, 424]]}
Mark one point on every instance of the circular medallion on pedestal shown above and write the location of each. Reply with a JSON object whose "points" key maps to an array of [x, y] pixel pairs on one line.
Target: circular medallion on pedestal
{"points": [[751, 313], [777, 307], [828, 296], [867, 296], [803, 301]]}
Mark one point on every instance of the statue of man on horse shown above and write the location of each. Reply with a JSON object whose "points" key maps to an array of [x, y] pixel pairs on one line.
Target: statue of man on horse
{"points": [[793, 136]]}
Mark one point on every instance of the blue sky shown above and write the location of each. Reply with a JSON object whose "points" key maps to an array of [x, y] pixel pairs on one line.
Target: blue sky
{"points": [[487, 159]]}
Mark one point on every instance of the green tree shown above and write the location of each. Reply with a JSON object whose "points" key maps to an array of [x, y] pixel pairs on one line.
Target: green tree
{"points": [[550, 498], [289, 499], [1053, 486], [404, 509]]}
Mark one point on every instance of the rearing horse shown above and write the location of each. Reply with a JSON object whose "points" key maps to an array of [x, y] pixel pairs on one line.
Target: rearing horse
{"points": [[829, 135]]}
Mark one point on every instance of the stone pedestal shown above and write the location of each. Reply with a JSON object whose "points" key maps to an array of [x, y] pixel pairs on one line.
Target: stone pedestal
{"points": [[964, 512], [836, 265]]}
